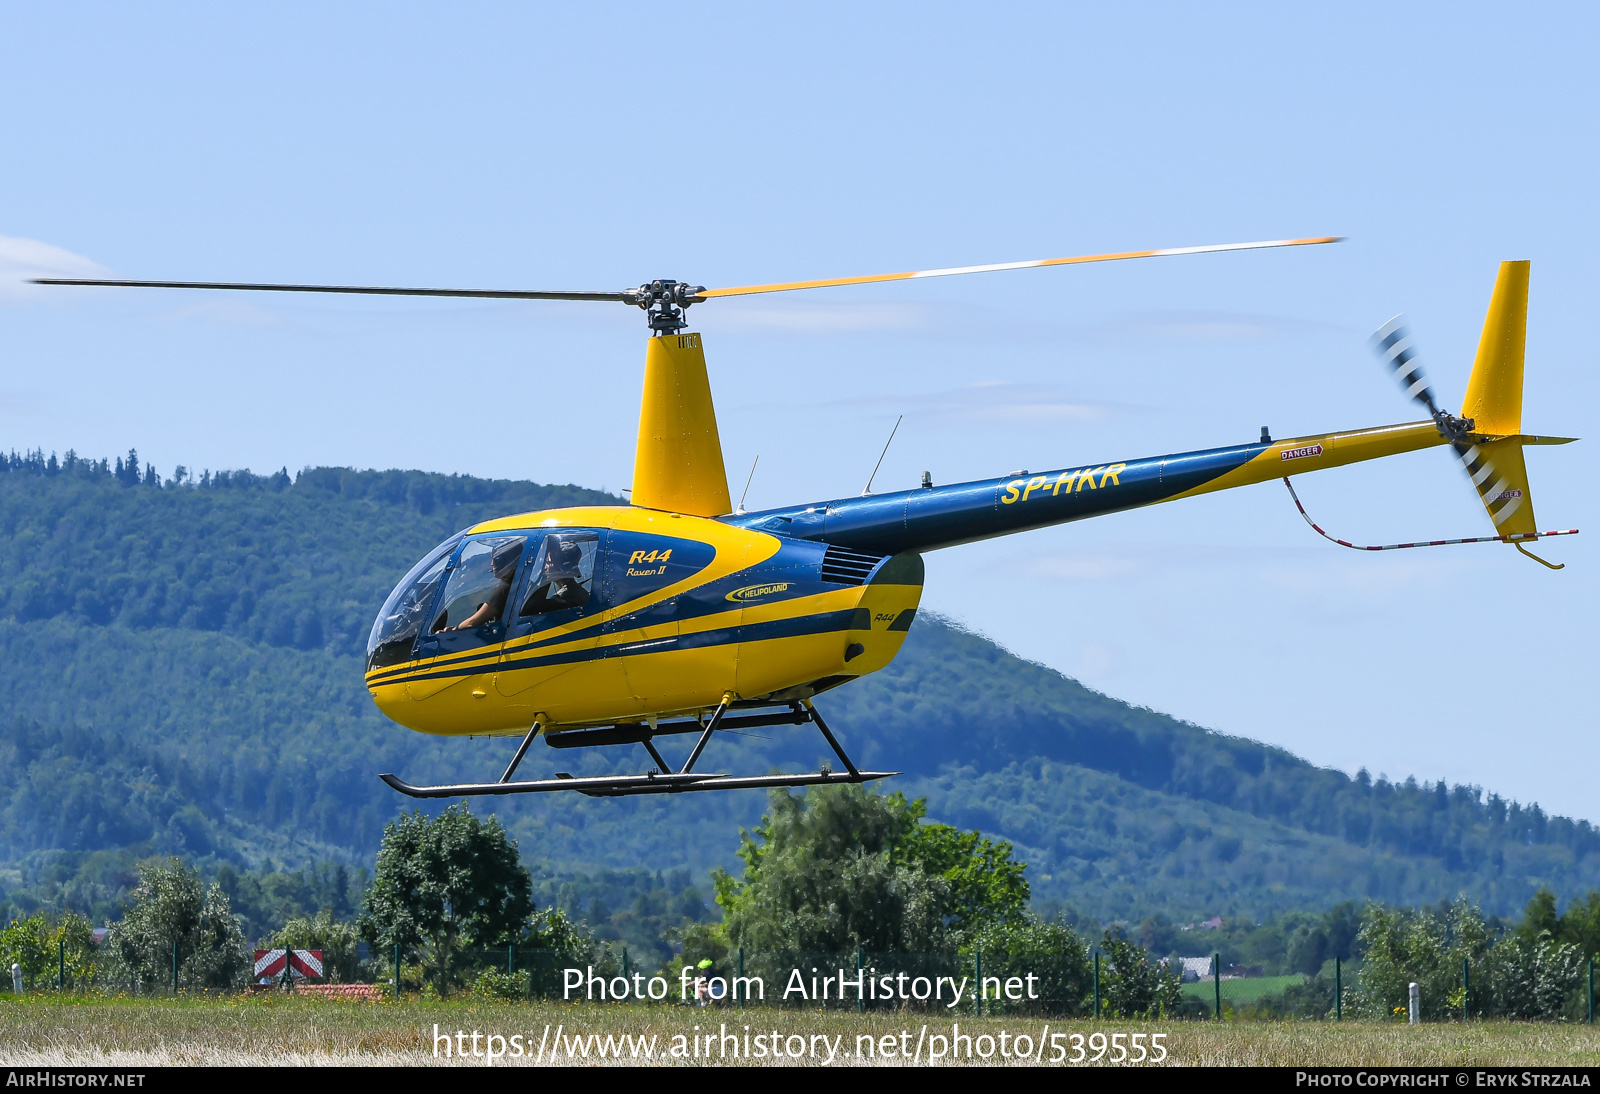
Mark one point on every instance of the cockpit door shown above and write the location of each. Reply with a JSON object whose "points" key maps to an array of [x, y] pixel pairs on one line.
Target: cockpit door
{"points": [[465, 621], [471, 611], [551, 664]]}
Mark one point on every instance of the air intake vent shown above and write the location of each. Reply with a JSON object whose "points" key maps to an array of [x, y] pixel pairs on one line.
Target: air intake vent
{"points": [[842, 566]]}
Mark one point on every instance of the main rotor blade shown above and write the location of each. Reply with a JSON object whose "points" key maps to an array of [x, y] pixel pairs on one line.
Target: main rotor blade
{"points": [[367, 290], [785, 286]]}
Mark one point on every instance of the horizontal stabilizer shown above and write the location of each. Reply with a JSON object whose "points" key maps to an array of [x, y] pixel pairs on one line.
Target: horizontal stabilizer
{"points": [[1529, 438]]}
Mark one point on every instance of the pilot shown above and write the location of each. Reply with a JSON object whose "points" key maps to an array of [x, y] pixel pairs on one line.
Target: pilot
{"points": [[504, 560]]}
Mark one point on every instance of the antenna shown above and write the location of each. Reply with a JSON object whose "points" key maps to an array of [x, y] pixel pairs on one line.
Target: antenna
{"points": [[739, 512], [868, 488]]}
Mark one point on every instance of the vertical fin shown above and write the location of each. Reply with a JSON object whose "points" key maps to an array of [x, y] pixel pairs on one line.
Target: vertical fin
{"points": [[1494, 392], [1504, 490], [678, 465]]}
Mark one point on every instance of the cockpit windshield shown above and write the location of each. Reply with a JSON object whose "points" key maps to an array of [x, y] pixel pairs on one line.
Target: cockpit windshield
{"points": [[394, 632]]}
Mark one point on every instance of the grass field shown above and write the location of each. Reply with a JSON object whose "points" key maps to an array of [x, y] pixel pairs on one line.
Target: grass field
{"points": [[146, 1033], [1242, 991]]}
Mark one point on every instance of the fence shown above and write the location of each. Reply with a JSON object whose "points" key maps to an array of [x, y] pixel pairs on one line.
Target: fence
{"points": [[1053, 985], [1334, 994], [1045, 985], [980, 983]]}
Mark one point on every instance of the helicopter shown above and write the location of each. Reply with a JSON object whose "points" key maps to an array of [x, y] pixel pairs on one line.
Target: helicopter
{"points": [[681, 614]]}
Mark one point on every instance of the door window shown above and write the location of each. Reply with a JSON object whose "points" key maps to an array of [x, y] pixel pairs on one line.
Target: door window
{"points": [[562, 574], [472, 610]]}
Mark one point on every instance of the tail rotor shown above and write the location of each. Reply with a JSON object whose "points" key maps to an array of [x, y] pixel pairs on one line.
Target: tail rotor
{"points": [[1395, 347], [1489, 443]]}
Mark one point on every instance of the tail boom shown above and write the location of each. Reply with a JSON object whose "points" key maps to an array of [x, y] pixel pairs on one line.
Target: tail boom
{"points": [[930, 518], [1298, 455]]}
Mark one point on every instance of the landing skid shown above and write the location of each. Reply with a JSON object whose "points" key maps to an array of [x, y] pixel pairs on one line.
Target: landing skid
{"points": [[664, 780]]}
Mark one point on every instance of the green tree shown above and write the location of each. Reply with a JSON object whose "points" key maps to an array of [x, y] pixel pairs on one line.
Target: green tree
{"points": [[1539, 918], [1426, 947], [820, 877], [1527, 974], [1026, 944], [72, 937], [1579, 925], [841, 868], [1522, 978], [1132, 984], [554, 932], [987, 888], [1313, 944], [552, 941], [446, 883], [337, 940], [172, 906], [41, 942]]}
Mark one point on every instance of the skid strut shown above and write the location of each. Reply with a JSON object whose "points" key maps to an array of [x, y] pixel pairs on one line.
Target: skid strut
{"points": [[664, 780]]}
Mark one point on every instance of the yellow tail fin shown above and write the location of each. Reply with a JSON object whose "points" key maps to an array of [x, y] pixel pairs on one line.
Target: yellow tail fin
{"points": [[1494, 392], [1494, 403], [678, 464]]}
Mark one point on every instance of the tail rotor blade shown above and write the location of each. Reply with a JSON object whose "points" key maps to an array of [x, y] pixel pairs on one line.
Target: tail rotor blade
{"points": [[1394, 346], [1491, 485]]}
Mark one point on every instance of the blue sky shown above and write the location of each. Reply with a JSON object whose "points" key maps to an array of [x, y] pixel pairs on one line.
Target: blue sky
{"points": [[548, 147]]}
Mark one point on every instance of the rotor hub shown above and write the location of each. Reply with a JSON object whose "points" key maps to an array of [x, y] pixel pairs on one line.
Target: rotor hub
{"points": [[664, 303], [1453, 428]]}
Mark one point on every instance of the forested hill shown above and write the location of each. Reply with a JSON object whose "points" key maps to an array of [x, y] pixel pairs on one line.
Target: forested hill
{"points": [[182, 673]]}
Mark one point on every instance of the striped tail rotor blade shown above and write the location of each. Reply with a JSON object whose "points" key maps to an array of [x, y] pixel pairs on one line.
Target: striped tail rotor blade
{"points": [[1496, 490], [1393, 344]]}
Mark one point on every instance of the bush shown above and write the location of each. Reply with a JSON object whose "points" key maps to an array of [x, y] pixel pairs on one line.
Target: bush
{"points": [[1053, 951], [501, 985], [24, 942], [445, 886], [337, 941], [1529, 979], [171, 907], [842, 868], [1132, 985], [1520, 977]]}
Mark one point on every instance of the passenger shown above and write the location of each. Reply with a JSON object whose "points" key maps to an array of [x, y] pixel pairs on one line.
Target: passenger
{"points": [[564, 570], [560, 580], [504, 560]]}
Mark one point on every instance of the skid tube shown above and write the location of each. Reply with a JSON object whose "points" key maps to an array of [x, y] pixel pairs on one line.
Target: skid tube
{"points": [[665, 780]]}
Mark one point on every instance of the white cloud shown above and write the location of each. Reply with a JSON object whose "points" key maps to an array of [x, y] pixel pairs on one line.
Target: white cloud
{"points": [[24, 259]]}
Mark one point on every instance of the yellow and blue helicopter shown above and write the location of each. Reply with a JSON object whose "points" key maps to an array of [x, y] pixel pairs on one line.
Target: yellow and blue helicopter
{"points": [[676, 614]]}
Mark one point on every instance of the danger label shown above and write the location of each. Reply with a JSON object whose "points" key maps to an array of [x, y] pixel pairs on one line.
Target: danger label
{"points": [[1301, 453]]}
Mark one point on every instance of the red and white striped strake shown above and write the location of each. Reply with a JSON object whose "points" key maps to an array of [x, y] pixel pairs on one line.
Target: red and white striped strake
{"points": [[1514, 538]]}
